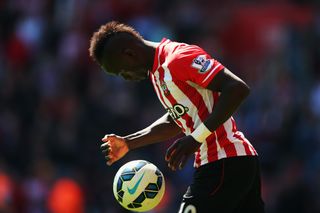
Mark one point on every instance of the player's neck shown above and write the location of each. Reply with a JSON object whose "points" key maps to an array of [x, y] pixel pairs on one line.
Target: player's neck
{"points": [[151, 51]]}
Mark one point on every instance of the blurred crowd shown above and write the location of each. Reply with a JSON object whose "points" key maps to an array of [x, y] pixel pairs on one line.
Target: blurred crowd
{"points": [[56, 104]]}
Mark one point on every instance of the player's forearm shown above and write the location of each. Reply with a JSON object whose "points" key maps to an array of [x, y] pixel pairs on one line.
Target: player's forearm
{"points": [[162, 129], [230, 99]]}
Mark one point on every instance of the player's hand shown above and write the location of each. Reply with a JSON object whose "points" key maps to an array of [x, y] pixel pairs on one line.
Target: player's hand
{"points": [[114, 147], [179, 152]]}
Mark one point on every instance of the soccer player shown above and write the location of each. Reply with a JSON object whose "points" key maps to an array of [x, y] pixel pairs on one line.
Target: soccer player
{"points": [[199, 95]]}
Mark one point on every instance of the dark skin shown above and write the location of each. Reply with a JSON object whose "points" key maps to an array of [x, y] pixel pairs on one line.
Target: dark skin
{"points": [[132, 59], [128, 57]]}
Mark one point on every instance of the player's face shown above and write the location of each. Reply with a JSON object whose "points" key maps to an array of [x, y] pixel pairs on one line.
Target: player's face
{"points": [[133, 73], [129, 66]]}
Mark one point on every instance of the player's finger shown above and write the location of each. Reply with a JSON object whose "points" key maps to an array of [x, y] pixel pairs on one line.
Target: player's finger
{"points": [[176, 159], [110, 161], [170, 151], [107, 137], [106, 151], [183, 161], [105, 146], [174, 156], [107, 158], [102, 146]]}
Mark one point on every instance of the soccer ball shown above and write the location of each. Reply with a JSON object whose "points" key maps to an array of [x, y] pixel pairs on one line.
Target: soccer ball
{"points": [[138, 186]]}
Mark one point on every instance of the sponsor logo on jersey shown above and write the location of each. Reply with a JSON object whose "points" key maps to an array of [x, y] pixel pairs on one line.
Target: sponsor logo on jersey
{"points": [[177, 111], [202, 64], [164, 88]]}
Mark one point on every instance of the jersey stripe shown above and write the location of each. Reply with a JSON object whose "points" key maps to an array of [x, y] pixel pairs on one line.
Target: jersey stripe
{"points": [[225, 142], [203, 153], [205, 94], [212, 147], [166, 103], [197, 159], [248, 147], [153, 77], [156, 88], [222, 154], [230, 150], [234, 130], [228, 126], [248, 144], [186, 119], [195, 97]]}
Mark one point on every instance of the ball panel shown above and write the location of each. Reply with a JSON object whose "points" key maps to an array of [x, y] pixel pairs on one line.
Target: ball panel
{"points": [[127, 177], [128, 170], [140, 198], [134, 205], [120, 199], [120, 196], [158, 172], [119, 184], [150, 194], [152, 186], [140, 165], [159, 182]]}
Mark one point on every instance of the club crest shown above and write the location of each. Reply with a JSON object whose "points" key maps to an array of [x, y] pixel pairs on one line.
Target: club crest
{"points": [[164, 88]]}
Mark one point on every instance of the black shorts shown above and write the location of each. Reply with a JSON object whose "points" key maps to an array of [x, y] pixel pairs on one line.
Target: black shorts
{"points": [[224, 186]]}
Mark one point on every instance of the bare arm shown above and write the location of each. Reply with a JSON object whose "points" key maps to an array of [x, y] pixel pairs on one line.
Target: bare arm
{"points": [[233, 91], [115, 147], [162, 129]]}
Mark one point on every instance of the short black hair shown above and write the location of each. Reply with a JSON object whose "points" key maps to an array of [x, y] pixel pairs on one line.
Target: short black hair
{"points": [[106, 31]]}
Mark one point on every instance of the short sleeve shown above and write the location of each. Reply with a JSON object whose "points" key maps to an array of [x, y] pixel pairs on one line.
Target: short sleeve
{"points": [[191, 63]]}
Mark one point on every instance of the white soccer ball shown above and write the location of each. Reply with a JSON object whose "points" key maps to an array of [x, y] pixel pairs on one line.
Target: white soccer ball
{"points": [[139, 186]]}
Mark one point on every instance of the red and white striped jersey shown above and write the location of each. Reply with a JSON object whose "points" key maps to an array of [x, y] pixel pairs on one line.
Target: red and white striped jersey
{"points": [[180, 75]]}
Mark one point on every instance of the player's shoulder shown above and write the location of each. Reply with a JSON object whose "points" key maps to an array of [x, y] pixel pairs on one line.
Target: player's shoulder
{"points": [[180, 49], [179, 53]]}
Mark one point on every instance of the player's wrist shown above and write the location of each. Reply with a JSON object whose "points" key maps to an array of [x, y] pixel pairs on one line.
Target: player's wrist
{"points": [[127, 143], [201, 133]]}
